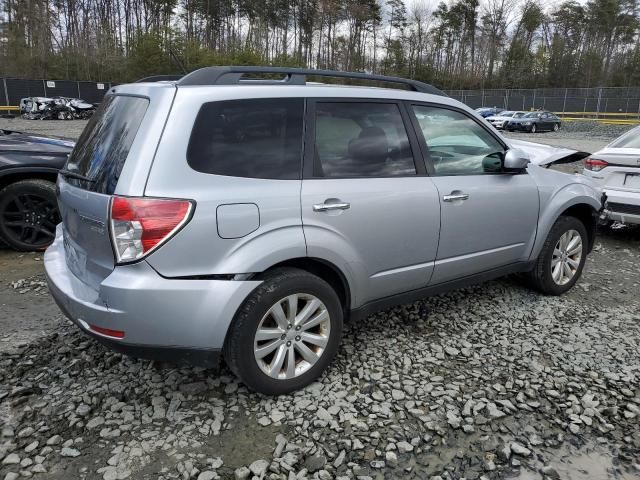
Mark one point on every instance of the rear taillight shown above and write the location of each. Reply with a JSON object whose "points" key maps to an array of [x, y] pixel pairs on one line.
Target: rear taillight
{"points": [[594, 164], [140, 225]]}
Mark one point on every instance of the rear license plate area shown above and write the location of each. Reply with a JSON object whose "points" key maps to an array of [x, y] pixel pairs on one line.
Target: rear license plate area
{"points": [[632, 180]]}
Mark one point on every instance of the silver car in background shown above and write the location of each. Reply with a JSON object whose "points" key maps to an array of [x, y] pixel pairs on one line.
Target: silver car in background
{"points": [[617, 169], [216, 215], [501, 118]]}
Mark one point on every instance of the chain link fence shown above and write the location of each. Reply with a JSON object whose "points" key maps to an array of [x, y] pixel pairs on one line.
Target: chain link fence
{"points": [[585, 102], [623, 102]]}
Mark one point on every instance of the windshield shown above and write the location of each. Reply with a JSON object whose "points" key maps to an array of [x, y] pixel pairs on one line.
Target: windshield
{"points": [[533, 115], [507, 114], [104, 144], [518, 114]]}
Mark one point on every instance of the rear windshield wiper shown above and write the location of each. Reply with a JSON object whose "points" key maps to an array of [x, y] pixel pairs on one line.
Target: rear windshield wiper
{"points": [[70, 174]]}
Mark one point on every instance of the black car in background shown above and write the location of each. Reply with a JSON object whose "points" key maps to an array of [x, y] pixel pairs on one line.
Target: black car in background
{"points": [[534, 122], [29, 166]]}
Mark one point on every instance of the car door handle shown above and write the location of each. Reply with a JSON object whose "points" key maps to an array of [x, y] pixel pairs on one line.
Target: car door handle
{"points": [[326, 207], [453, 196]]}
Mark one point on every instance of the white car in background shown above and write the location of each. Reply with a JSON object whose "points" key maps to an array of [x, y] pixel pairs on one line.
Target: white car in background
{"points": [[617, 169], [500, 119]]}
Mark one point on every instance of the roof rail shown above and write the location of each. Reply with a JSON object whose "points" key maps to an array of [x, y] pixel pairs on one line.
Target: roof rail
{"points": [[230, 75], [160, 78]]}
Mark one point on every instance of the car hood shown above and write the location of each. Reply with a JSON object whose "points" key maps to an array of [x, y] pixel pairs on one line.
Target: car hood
{"points": [[499, 117], [544, 155], [11, 141]]}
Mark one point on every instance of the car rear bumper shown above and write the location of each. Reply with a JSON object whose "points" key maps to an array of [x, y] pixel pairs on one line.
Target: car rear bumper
{"points": [[623, 206], [162, 319]]}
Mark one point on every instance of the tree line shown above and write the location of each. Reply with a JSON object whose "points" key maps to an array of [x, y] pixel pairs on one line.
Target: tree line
{"points": [[453, 44]]}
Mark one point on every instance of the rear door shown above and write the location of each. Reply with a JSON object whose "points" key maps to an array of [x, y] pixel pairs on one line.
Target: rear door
{"points": [[89, 179], [367, 205], [489, 217]]}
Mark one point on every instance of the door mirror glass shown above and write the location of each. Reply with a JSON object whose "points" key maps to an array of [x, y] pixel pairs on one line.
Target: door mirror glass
{"points": [[516, 159]]}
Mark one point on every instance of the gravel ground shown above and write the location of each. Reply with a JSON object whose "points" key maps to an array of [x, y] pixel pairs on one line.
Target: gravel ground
{"points": [[488, 382]]}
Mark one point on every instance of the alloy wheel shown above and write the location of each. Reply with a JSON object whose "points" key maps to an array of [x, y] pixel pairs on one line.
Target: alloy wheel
{"points": [[292, 336], [566, 257], [30, 218]]}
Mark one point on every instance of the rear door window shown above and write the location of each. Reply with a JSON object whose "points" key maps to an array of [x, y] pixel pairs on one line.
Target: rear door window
{"points": [[256, 138], [103, 147], [354, 139]]}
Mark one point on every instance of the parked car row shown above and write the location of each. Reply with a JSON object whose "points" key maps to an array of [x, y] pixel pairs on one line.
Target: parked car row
{"points": [[521, 121]]}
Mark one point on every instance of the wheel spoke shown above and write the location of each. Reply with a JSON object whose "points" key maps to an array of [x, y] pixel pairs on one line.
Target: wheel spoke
{"points": [[308, 354], [314, 339], [264, 334], [265, 350], [317, 320], [278, 314], [554, 261], [278, 360], [291, 362], [575, 250], [573, 263], [292, 304], [308, 310], [556, 273], [568, 273]]}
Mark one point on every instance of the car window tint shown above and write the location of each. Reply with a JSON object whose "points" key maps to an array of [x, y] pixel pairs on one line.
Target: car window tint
{"points": [[456, 144], [354, 139], [104, 145], [257, 138]]}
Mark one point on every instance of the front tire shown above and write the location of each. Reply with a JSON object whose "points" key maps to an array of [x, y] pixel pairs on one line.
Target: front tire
{"points": [[556, 127], [533, 128], [286, 333], [560, 263], [28, 214]]}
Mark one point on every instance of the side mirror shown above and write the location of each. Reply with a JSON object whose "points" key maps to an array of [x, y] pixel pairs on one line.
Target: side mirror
{"points": [[516, 160]]}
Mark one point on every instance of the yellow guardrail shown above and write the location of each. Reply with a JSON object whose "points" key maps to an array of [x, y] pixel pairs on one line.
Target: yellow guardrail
{"points": [[608, 121], [10, 108]]}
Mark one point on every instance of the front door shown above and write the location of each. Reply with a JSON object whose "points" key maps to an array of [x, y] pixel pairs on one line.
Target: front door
{"points": [[366, 204], [489, 217]]}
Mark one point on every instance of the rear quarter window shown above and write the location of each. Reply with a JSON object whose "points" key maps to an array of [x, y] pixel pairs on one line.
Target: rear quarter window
{"points": [[255, 138]]}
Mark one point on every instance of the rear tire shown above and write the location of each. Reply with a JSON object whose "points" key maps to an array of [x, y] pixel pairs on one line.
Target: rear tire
{"points": [[559, 266], [269, 320], [29, 214]]}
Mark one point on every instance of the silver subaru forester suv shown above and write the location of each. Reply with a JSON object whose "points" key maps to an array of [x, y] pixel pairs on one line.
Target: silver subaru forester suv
{"points": [[231, 212]]}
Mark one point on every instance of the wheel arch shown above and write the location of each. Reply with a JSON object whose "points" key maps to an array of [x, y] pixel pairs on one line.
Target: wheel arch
{"points": [[568, 202], [14, 175], [324, 269], [588, 216]]}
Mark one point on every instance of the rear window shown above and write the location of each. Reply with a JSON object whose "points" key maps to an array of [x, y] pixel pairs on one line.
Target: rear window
{"points": [[103, 147], [257, 138], [629, 140]]}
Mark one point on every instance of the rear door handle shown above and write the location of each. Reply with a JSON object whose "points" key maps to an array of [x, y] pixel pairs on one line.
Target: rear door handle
{"points": [[326, 207], [455, 195]]}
